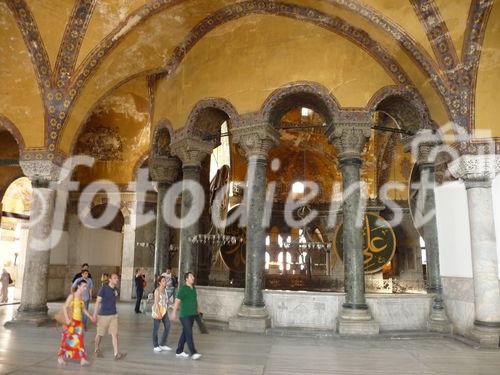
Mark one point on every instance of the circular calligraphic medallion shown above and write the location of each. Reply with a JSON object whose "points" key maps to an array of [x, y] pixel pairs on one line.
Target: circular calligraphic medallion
{"points": [[379, 242], [234, 255]]}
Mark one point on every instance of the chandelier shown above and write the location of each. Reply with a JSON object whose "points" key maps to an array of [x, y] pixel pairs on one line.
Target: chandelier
{"points": [[215, 240], [305, 242]]}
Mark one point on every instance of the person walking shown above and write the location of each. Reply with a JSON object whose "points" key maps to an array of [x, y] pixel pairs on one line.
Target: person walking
{"points": [[6, 280], [72, 339], [187, 300], [140, 284], [85, 267], [160, 315], [87, 293], [107, 316]]}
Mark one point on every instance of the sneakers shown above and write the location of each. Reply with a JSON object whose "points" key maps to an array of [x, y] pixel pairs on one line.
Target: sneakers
{"points": [[196, 356], [165, 348], [157, 349], [182, 355]]}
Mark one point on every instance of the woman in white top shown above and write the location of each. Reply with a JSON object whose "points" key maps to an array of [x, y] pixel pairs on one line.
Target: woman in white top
{"points": [[160, 315]]}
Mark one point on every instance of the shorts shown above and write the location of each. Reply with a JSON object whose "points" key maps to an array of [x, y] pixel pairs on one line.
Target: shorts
{"points": [[107, 324]]}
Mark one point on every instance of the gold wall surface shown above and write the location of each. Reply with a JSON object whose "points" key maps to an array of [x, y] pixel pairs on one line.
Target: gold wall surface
{"points": [[117, 134], [487, 98], [246, 60], [20, 99]]}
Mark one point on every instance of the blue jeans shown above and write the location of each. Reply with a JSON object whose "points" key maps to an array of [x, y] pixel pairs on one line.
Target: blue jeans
{"points": [[156, 328], [187, 335], [84, 317]]}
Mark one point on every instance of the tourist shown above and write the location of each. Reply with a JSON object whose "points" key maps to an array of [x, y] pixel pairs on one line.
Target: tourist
{"points": [[107, 316], [85, 267], [87, 293], [187, 299], [171, 284], [72, 339], [6, 280], [140, 284], [160, 315]]}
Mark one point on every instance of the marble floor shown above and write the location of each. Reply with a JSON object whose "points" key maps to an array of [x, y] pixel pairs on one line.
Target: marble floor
{"points": [[31, 350]]}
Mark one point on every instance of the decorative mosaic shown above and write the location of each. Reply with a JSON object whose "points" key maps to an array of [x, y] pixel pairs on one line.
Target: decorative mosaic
{"points": [[102, 143]]}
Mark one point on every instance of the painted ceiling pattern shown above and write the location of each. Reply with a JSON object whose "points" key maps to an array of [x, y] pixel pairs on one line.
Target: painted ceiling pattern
{"points": [[452, 73]]}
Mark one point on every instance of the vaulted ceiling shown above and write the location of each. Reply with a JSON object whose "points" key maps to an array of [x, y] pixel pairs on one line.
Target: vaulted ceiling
{"points": [[62, 61]]}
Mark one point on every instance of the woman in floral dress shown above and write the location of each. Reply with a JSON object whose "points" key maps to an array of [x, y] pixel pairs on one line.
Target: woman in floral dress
{"points": [[72, 340]]}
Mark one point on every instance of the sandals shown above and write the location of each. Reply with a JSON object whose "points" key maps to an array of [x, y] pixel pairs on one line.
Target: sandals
{"points": [[119, 356], [98, 353], [61, 361]]}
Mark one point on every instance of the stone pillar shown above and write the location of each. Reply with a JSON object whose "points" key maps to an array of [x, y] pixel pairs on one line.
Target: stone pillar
{"points": [[349, 139], [33, 308], [128, 249], [191, 150], [256, 141], [424, 145], [164, 171], [477, 172]]}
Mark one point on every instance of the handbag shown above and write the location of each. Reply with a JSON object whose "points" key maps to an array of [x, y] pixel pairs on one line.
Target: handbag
{"points": [[158, 313]]}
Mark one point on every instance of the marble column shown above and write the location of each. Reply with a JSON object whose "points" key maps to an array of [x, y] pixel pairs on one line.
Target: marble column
{"points": [[349, 139], [164, 171], [424, 146], [477, 172], [33, 307], [191, 150], [255, 141], [128, 248]]}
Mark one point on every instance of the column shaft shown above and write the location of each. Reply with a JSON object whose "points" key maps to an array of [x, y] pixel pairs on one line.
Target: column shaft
{"points": [[434, 284], [188, 252], [256, 232], [484, 255], [162, 243], [36, 268], [352, 236]]}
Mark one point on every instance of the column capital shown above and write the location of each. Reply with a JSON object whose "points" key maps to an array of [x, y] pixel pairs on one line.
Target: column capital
{"points": [[41, 172], [191, 150], [424, 147], [475, 170], [164, 168], [256, 139], [349, 139]]}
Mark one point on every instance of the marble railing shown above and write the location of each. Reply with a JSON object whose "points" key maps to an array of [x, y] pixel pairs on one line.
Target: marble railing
{"points": [[319, 310]]}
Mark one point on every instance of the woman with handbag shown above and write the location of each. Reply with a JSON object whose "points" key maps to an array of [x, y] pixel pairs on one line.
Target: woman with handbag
{"points": [[72, 340], [160, 315]]}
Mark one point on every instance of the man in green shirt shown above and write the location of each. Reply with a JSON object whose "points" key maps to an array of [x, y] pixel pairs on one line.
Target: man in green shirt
{"points": [[187, 299]]}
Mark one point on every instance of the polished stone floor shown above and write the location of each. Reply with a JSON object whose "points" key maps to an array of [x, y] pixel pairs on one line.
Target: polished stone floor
{"points": [[32, 351]]}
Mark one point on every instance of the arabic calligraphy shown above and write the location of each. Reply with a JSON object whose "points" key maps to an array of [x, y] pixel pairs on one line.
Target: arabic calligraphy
{"points": [[379, 242]]}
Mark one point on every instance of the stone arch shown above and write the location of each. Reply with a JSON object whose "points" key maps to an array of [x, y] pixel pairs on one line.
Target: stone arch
{"points": [[308, 94], [403, 104], [13, 130], [207, 116]]}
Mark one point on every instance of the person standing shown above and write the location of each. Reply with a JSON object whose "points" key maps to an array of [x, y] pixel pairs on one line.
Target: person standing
{"points": [[87, 293], [188, 301], [170, 285], [85, 267], [160, 315], [6, 280], [140, 284], [72, 339], [107, 316]]}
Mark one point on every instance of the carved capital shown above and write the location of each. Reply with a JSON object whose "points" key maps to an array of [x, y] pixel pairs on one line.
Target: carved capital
{"points": [[256, 139], [41, 172], [425, 147], [475, 170], [349, 139], [164, 168], [191, 150]]}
